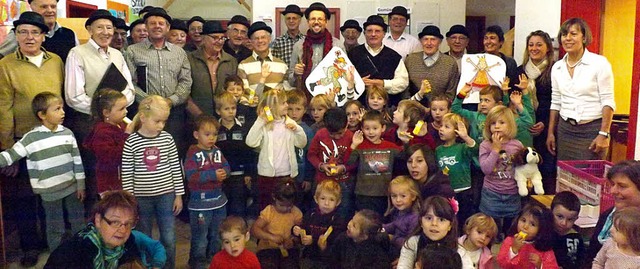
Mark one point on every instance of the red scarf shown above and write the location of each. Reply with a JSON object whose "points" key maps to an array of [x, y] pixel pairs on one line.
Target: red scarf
{"points": [[307, 50]]}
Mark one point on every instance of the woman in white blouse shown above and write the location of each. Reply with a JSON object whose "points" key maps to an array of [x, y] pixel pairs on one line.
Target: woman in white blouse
{"points": [[582, 102]]}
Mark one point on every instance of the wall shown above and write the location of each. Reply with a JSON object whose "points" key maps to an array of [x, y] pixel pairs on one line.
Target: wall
{"points": [[497, 12], [617, 46], [208, 9], [450, 11], [531, 16]]}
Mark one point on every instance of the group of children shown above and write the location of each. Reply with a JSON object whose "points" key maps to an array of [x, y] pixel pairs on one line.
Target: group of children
{"points": [[331, 194]]}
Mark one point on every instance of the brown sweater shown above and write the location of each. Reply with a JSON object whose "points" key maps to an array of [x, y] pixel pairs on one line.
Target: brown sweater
{"points": [[20, 81], [443, 75]]}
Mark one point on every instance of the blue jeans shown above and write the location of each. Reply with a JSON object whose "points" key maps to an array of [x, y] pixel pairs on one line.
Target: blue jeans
{"points": [[205, 240], [160, 207], [53, 211], [346, 209]]}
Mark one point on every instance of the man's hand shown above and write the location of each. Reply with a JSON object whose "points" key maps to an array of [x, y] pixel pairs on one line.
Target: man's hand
{"points": [[298, 69], [81, 194], [373, 82]]}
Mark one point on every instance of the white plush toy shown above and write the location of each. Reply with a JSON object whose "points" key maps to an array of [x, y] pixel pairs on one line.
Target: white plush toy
{"points": [[527, 168]]}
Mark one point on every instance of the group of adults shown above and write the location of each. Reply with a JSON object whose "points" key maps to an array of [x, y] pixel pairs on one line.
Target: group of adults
{"points": [[574, 95]]}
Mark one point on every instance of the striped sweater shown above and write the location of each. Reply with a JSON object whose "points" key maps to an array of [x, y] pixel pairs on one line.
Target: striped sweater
{"points": [[150, 166], [250, 70], [53, 161]]}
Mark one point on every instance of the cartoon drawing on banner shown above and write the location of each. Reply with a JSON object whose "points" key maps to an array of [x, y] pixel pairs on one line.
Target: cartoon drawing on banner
{"points": [[480, 70], [332, 76]]}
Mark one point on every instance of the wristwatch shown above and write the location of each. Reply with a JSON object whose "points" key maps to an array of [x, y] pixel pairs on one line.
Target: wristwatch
{"points": [[603, 133]]}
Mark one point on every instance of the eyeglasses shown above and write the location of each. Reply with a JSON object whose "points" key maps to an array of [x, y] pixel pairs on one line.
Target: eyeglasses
{"points": [[24, 33], [117, 224], [218, 38]]}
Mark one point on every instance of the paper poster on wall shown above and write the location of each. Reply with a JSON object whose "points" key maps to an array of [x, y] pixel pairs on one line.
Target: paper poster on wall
{"points": [[330, 77], [480, 70]]}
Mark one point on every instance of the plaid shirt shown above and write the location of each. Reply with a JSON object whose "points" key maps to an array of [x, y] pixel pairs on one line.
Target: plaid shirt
{"points": [[282, 47]]}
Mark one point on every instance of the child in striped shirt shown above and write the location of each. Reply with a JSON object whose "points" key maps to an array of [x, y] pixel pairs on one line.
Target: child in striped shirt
{"points": [[55, 166], [151, 171]]}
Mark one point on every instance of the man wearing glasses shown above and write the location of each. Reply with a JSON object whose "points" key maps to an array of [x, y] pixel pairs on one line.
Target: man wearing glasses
{"points": [[261, 68], [457, 39], [210, 65], [283, 45], [397, 39], [237, 35], [22, 76], [119, 40], [58, 39]]}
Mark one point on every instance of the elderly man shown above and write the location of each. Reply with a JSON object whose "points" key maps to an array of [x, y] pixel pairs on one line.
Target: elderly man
{"points": [[237, 35], [282, 47], [210, 66], [250, 70], [397, 39], [22, 76], [138, 32], [439, 70], [457, 39], [58, 39], [308, 53], [351, 31], [194, 29], [379, 65], [119, 40]]}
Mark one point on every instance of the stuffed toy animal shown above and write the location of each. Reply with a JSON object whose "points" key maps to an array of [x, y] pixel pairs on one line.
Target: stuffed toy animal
{"points": [[526, 168]]}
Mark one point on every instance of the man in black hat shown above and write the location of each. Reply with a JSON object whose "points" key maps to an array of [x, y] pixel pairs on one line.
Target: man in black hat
{"points": [[237, 34], [261, 68], [144, 11], [430, 65], [58, 39], [210, 66], [351, 31], [119, 40], [457, 39], [318, 41], [282, 47], [86, 66], [397, 39], [379, 65], [194, 27], [178, 33], [22, 76], [138, 32]]}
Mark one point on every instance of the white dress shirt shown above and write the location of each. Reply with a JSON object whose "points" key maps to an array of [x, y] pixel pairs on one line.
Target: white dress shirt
{"points": [[404, 45]]}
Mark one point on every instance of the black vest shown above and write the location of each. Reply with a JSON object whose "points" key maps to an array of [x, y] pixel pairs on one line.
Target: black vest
{"points": [[61, 43], [381, 66]]}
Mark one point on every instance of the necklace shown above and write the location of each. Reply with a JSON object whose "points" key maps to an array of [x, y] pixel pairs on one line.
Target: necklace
{"points": [[573, 65]]}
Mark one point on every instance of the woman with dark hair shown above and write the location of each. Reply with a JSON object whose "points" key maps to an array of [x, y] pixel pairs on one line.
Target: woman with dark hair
{"points": [[582, 102], [537, 62], [624, 178], [420, 162], [107, 242]]}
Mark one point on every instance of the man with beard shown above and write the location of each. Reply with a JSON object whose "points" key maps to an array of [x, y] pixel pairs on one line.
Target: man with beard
{"points": [[379, 65], [283, 45], [308, 53], [237, 35], [351, 31], [397, 39]]}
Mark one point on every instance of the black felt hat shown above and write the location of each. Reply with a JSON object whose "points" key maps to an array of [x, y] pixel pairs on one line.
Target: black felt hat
{"points": [[239, 19], [195, 19], [458, 29], [100, 14], [317, 6], [430, 30], [120, 24], [375, 20], [136, 23], [400, 10], [33, 18], [157, 11], [292, 9], [257, 26], [177, 24], [212, 27], [351, 24], [145, 9]]}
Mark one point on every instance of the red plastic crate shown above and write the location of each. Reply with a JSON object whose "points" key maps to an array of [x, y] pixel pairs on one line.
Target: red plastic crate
{"points": [[588, 180]]}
